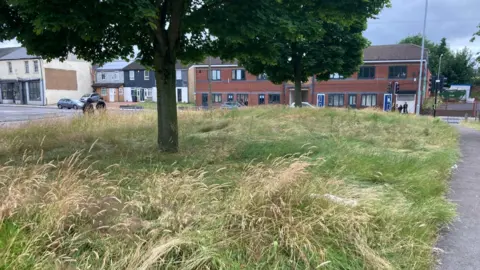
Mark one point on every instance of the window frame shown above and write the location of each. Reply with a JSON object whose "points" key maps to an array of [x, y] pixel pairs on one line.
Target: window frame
{"points": [[27, 67], [34, 86], [10, 67], [392, 68], [367, 78], [146, 75], [242, 74], [103, 91], [364, 105], [131, 75], [262, 77], [216, 72], [260, 97], [353, 105], [116, 76], [35, 66], [216, 98], [230, 97], [243, 98], [340, 77], [103, 76], [270, 97], [331, 97]]}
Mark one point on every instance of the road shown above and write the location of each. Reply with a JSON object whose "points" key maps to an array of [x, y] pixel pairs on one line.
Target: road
{"points": [[23, 113], [461, 244]]}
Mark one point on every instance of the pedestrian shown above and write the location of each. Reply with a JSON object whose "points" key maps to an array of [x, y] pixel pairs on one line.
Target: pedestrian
{"points": [[88, 107], [394, 107], [101, 105], [400, 108], [405, 107]]}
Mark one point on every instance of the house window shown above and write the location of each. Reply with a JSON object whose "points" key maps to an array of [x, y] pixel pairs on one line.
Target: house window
{"points": [[216, 76], [366, 73], [103, 75], [352, 100], [104, 91], [274, 99], [27, 67], [230, 97], [217, 98], [7, 90], [238, 74], [397, 72], [35, 66], [262, 77], [179, 95], [261, 99], [243, 99], [10, 69], [369, 100], [146, 75], [335, 100], [115, 76], [336, 76], [120, 91], [34, 91], [131, 74]]}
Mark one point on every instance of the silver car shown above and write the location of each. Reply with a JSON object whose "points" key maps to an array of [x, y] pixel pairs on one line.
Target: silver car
{"points": [[69, 104]]}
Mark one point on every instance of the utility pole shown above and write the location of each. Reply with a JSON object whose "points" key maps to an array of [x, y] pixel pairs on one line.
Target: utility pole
{"points": [[419, 92], [210, 82]]}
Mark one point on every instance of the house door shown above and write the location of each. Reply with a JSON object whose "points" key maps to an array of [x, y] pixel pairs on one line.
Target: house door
{"points": [[204, 100], [321, 100], [141, 95], [111, 94], [23, 91]]}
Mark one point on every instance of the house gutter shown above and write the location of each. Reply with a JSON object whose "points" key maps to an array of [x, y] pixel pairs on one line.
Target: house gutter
{"points": [[44, 84]]}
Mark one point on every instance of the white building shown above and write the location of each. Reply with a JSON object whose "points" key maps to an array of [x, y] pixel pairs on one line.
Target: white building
{"points": [[28, 79]]}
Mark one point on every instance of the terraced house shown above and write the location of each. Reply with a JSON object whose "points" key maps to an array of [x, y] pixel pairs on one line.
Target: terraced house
{"points": [[29, 79], [383, 67]]}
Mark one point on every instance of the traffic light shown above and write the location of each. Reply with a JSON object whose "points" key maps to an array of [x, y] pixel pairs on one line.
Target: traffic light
{"points": [[389, 88], [444, 83], [431, 84], [397, 87]]}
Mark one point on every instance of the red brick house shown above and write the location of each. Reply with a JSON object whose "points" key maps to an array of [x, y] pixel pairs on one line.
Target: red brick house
{"points": [[383, 65]]}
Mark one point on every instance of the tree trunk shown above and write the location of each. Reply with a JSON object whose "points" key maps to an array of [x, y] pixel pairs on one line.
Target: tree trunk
{"points": [[298, 81], [166, 103]]}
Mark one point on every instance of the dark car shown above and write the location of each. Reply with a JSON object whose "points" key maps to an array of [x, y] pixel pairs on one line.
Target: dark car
{"points": [[94, 96], [69, 104]]}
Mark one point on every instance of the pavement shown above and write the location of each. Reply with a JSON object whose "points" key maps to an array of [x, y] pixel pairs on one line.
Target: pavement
{"points": [[17, 113], [461, 243]]}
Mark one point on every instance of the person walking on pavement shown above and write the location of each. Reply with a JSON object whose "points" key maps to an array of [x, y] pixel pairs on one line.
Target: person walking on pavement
{"points": [[405, 107], [400, 108]]}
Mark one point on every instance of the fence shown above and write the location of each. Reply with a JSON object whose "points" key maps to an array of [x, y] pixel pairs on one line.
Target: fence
{"points": [[459, 109]]}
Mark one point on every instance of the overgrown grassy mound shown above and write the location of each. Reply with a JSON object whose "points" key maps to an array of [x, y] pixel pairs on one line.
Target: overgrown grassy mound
{"points": [[270, 188]]}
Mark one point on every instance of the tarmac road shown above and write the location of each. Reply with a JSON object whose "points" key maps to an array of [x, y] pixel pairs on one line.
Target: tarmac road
{"points": [[23, 113]]}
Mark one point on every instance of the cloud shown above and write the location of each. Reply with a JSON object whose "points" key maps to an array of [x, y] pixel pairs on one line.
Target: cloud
{"points": [[10, 43], [455, 20]]}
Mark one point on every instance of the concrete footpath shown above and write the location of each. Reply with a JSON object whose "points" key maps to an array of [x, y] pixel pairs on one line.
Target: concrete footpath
{"points": [[461, 243]]}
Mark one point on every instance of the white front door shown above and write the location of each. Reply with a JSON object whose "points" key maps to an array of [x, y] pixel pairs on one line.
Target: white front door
{"points": [[111, 96]]}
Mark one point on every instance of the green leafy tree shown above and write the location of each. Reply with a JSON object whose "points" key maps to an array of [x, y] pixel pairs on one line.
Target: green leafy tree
{"points": [[475, 35], [305, 38], [164, 31]]}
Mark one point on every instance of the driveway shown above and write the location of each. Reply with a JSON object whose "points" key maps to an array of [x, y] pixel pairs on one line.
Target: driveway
{"points": [[24, 113]]}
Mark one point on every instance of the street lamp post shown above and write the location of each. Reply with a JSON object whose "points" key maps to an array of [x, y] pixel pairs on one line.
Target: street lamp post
{"points": [[419, 92]]}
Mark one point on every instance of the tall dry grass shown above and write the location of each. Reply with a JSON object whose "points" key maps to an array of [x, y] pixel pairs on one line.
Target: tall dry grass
{"points": [[245, 192]]}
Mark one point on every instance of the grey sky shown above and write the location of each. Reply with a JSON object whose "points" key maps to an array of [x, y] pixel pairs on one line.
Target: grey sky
{"points": [[454, 19]]}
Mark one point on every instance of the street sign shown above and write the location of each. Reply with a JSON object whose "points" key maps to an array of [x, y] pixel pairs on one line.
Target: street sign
{"points": [[387, 102], [437, 81]]}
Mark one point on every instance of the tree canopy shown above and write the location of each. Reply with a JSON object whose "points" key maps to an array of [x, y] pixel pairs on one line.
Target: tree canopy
{"points": [[457, 66], [306, 38]]}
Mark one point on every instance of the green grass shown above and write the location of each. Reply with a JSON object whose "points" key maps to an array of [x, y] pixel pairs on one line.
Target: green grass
{"points": [[471, 124], [246, 191]]}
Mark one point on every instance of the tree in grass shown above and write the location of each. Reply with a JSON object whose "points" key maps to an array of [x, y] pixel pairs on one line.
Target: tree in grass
{"points": [[164, 31], [305, 38]]}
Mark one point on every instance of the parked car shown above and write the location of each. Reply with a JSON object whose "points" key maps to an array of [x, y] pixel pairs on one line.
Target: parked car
{"points": [[94, 96], [69, 104], [304, 104], [231, 105]]}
